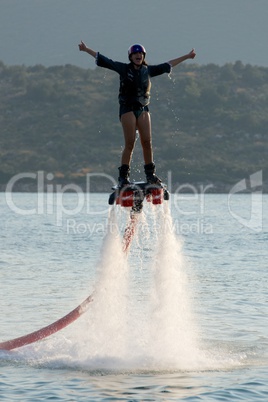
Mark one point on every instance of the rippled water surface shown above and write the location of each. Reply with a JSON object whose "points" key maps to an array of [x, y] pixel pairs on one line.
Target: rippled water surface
{"points": [[182, 317]]}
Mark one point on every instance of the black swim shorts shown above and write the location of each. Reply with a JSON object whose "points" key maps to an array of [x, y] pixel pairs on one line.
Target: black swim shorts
{"points": [[137, 110]]}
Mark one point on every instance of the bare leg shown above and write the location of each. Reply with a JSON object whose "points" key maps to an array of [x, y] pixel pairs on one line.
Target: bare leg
{"points": [[144, 127], [128, 121]]}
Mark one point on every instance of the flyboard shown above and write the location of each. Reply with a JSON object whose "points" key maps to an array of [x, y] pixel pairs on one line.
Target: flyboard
{"points": [[131, 196]]}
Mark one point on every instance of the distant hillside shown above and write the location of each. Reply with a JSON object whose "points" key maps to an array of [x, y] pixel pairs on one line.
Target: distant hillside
{"points": [[209, 123]]}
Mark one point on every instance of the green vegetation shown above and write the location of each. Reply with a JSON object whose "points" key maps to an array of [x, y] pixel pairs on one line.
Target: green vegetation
{"points": [[209, 123]]}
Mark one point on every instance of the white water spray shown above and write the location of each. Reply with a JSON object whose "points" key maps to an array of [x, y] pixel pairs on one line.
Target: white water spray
{"points": [[155, 332], [105, 324], [127, 327], [173, 341]]}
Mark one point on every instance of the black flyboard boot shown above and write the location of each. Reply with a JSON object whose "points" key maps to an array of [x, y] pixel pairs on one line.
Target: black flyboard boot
{"points": [[151, 177], [123, 178]]}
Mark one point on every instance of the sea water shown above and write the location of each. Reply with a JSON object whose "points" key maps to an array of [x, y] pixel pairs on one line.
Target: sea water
{"points": [[182, 316]]}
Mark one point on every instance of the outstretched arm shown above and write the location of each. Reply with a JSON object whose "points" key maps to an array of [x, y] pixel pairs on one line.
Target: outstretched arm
{"points": [[83, 48], [175, 62]]}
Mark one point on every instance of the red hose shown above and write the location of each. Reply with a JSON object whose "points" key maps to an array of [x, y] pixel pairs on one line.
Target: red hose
{"points": [[74, 314], [49, 329]]}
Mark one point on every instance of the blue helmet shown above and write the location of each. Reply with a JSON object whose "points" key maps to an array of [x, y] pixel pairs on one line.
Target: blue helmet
{"points": [[136, 49]]}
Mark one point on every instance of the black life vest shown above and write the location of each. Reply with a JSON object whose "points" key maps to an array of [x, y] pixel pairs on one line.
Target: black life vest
{"points": [[135, 86]]}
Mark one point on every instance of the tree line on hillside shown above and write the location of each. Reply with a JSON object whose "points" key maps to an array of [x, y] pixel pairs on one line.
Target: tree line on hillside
{"points": [[209, 122]]}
